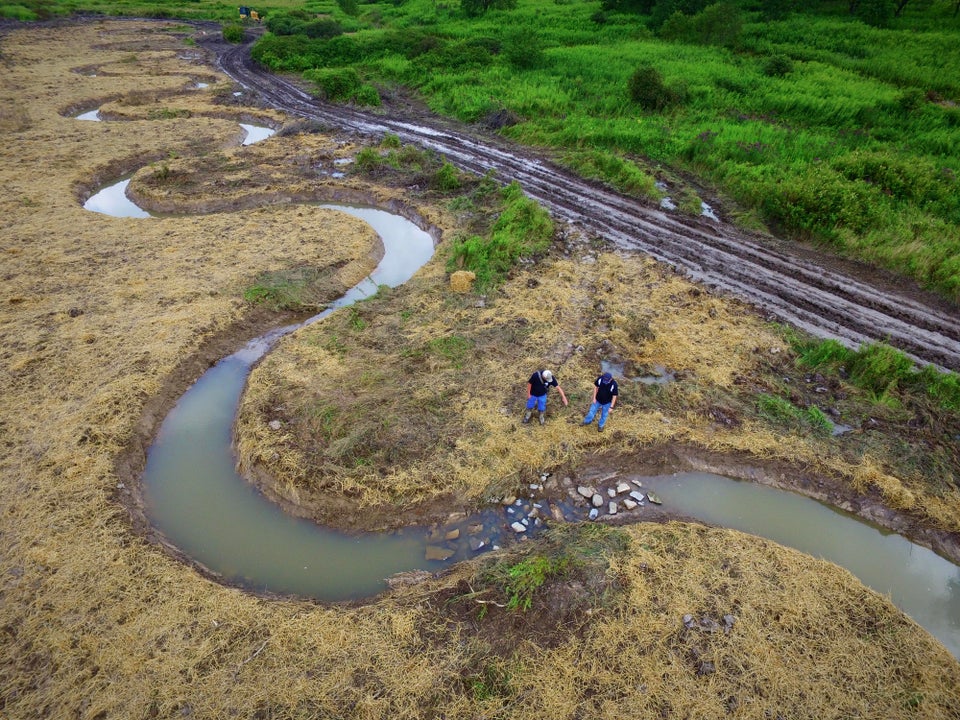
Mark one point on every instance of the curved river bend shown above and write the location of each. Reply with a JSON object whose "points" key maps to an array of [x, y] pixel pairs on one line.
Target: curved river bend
{"points": [[199, 503]]}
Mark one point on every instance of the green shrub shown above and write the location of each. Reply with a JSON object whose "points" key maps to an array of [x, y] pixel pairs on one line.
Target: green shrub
{"points": [[648, 89], [233, 33], [523, 229], [523, 49], [446, 179], [777, 66], [335, 84]]}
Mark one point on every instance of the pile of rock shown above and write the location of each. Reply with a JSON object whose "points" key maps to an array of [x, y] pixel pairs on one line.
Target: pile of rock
{"points": [[610, 498]]}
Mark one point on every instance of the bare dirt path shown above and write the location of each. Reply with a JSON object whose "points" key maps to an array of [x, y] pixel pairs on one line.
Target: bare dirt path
{"points": [[824, 296]]}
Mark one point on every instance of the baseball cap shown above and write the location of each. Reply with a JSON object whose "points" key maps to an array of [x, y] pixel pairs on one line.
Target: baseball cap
{"points": [[606, 377], [547, 375]]}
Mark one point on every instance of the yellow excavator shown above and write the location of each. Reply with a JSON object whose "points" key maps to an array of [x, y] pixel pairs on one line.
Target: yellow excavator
{"points": [[248, 14]]}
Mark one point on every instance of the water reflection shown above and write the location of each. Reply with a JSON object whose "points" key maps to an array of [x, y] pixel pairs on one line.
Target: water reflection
{"points": [[255, 134], [112, 200]]}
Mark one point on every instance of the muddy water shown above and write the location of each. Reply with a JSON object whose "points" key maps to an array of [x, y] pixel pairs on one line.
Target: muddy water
{"points": [[917, 580], [197, 500]]}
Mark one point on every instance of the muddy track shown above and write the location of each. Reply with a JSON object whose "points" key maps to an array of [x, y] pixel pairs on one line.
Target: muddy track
{"points": [[820, 295]]}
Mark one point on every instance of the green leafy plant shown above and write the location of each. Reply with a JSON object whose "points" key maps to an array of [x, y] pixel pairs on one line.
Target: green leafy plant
{"points": [[233, 33]]}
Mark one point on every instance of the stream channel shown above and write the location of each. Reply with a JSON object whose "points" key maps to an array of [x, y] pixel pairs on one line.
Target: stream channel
{"points": [[200, 504]]}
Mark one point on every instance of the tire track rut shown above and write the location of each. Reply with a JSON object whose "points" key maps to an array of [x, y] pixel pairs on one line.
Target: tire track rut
{"points": [[780, 282]]}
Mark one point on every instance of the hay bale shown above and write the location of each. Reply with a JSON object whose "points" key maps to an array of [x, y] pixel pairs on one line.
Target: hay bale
{"points": [[462, 281]]}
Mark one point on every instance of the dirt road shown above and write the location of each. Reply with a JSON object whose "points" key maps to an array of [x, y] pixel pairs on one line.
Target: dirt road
{"points": [[822, 295]]}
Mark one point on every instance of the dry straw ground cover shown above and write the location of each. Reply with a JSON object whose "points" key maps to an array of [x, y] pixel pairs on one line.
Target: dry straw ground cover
{"points": [[104, 321]]}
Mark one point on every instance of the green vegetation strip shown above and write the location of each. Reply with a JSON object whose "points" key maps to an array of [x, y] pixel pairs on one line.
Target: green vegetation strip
{"points": [[820, 124]]}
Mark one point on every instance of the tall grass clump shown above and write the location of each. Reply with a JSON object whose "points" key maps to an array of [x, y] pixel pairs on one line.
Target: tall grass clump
{"points": [[523, 229], [877, 368]]}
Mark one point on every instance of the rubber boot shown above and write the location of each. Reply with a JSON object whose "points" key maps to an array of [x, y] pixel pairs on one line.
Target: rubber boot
{"points": [[543, 418], [526, 418]]}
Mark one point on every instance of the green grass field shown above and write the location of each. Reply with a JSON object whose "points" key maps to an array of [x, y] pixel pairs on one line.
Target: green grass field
{"points": [[820, 125]]}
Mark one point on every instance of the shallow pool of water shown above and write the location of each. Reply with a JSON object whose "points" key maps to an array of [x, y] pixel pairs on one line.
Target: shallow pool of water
{"points": [[255, 133], [920, 582]]}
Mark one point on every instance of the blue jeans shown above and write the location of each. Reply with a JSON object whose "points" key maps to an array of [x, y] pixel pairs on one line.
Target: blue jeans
{"points": [[604, 409], [539, 400]]}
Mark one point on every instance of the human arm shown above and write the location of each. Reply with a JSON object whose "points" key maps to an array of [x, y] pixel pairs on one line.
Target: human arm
{"points": [[562, 396]]}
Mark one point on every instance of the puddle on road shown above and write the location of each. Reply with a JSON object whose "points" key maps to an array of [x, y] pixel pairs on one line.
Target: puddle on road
{"points": [[256, 133]]}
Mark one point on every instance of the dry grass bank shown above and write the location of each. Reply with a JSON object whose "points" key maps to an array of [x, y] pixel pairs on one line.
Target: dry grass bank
{"points": [[97, 317]]}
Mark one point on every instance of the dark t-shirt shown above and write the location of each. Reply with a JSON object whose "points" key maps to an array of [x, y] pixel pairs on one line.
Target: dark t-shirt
{"points": [[606, 391], [538, 386]]}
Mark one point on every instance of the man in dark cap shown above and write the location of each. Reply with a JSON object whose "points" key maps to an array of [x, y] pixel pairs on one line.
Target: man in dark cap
{"points": [[605, 393]]}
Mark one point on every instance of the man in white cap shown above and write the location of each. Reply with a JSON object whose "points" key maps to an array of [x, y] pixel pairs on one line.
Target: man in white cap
{"points": [[537, 387]]}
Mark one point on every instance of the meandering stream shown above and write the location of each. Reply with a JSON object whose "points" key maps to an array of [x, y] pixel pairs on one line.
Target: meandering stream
{"points": [[201, 505]]}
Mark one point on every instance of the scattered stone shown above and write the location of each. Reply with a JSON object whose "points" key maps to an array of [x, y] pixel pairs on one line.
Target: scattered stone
{"points": [[509, 500], [689, 622], [611, 492], [612, 508], [518, 527], [629, 504], [622, 488], [597, 500], [535, 486], [655, 499], [728, 622], [557, 513], [452, 534], [477, 544], [475, 529], [586, 491], [510, 510], [274, 424], [438, 552], [594, 513], [638, 496], [637, 483]]}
